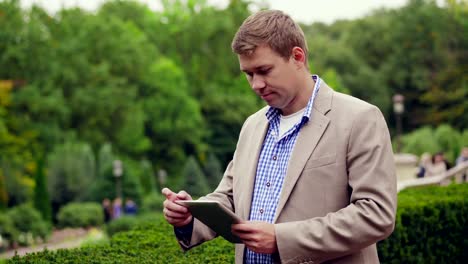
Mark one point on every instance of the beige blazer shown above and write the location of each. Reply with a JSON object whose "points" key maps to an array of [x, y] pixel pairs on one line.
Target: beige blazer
{"points": [[339, 194]]}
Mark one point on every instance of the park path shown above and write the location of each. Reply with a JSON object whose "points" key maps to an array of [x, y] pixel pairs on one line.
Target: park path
{"points": [[65, 238]]}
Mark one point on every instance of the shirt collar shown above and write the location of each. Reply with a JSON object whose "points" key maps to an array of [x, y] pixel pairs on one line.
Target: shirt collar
{"points": [[274, 113]]}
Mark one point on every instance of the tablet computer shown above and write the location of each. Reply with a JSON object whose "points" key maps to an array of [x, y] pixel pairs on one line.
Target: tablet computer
{"points": [[214, 215]]}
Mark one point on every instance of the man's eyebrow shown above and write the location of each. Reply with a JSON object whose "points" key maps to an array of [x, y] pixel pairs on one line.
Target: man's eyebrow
{"points": [[261, 67]]}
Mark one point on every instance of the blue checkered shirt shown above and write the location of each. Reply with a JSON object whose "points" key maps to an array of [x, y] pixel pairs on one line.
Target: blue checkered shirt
{"points": [[271, 170]]}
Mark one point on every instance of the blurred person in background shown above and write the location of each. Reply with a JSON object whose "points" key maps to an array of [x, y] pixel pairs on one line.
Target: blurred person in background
{"points": [[438, 165], [463, 158], [424, 162], [117, 208], [130, 207], [107, 209]]}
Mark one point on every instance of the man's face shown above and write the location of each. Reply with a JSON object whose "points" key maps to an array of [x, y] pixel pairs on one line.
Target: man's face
{"points": [[273, 78]]}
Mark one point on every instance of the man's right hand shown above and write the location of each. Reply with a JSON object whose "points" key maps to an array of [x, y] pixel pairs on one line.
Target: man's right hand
{"points": [[176, 214]]}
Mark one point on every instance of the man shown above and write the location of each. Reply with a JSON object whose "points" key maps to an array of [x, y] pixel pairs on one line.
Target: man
{"points": [[313, 172]]}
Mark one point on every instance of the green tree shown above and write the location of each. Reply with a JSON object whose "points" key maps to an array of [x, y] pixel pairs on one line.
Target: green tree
{"points": [[449, 141], [194, 180], [148, 178], [3, 192], [420, 141], [41, 195], [71, 171], [175, 124], [213, 171]]}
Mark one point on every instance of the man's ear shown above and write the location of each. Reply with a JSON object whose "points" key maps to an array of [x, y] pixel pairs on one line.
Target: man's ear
{"points": [[298, 55]]}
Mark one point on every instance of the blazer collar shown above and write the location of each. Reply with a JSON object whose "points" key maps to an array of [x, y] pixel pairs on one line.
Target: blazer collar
{"points": [[310, 134], [308, 138]]}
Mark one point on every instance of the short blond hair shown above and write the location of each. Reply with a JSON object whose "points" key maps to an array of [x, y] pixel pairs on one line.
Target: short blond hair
{"points": [[273, 28]]}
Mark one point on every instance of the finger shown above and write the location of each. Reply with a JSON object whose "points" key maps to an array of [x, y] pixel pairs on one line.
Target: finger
{"points": [[177, 221], [183, 222], [246, 237], [174, 214], [175, 207], [169, 194], [252, 246], [183, 195], [243, 228]]}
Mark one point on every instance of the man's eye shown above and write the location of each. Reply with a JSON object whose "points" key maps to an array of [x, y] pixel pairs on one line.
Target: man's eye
{"points": [[263, 71], [249, 74]]}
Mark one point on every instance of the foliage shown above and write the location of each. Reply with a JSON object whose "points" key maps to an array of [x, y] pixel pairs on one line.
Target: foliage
{"points": [[71, 171], [444, 138], [420, 141], [213, 171], [449, 140], [80, 215], [95, 238], [464, 138], [151, 241], [8, 230], [124, 223], [194, 180], [153, 203], [3, 192], [438, 216], [147, 178], [41, 195], [160, 86], [28, 221], [105, 184]]}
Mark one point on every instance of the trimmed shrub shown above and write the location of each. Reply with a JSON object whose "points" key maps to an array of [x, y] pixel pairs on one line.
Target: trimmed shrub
{"points": [[29, 223], [124, 223], [127, 223], [153, 203], [80, 215], [431, 226], [152, 241], [8, 232]]}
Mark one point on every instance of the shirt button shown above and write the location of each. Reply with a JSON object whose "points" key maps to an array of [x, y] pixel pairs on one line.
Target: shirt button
{"points": [[261, 211], [268, 184], [274, 157]]}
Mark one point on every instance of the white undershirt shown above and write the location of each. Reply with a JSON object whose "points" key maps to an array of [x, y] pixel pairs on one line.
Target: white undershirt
{"points": [[287, 122]]}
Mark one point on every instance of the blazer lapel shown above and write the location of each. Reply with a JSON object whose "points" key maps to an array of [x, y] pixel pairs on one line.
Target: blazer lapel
{"points": [[308, 138], [255, 146]]}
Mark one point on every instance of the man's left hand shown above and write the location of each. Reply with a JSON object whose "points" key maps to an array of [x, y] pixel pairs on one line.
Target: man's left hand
{"points": [[259, 237]]}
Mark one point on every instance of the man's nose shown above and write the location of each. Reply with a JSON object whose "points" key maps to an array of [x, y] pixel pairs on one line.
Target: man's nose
{"points": [[257, 82]]}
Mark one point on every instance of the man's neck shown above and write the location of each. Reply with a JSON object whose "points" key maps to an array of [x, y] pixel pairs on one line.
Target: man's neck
{"points": [[307, 87]]}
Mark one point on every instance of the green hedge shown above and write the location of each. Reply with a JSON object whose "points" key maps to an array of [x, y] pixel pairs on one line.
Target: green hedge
{"points": [[153, 203], [150, 242], [431, 228], [127, 223], [124, 223], [80, 215]]}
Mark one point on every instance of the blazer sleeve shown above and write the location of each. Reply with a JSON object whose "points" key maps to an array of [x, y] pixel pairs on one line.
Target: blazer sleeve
{"points": [[223, 194], [370, 215]]}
